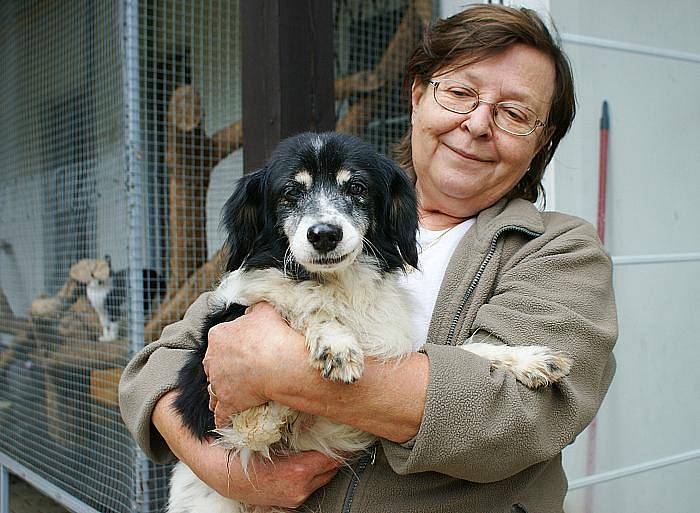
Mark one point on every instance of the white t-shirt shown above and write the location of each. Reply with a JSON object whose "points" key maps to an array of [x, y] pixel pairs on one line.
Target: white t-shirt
{"points": [[424, 283]]}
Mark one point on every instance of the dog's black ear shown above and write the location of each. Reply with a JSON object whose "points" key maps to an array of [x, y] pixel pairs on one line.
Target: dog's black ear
{"points": [[243, 217], [403, 215]]}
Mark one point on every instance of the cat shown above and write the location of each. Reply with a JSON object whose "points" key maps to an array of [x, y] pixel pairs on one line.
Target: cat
{"points": [[109, 296]]}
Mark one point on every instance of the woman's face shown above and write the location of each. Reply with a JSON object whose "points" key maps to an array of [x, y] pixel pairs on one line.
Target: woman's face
{"points": [[464, 162]]}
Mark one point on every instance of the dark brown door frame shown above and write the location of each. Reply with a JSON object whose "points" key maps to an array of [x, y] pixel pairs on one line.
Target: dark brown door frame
{"points": [[287, 72]]}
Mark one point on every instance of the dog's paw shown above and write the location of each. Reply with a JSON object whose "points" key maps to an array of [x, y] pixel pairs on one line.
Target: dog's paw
{"points": [[256, 429], [334, 351], [346, 364], [533, 366], [541, 367]]}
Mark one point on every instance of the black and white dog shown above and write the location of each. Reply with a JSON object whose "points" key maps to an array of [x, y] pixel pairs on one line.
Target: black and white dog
{"points": [[322, 232]]}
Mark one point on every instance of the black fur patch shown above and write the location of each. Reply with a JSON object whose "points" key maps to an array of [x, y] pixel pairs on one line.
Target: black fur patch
{"points": [[193, 402]]}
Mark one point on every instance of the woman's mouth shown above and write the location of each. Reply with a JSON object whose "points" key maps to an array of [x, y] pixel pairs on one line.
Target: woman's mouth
{"points": [[467, 155]]}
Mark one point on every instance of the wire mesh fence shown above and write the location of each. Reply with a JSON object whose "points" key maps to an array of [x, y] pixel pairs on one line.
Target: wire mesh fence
{"points": [[121, 140], [373, 41]]}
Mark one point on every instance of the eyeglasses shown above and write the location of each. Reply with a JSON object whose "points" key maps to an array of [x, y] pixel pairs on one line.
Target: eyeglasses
{"points": [[510, 117]]}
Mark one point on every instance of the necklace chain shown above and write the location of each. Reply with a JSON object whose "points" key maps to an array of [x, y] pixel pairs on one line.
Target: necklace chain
{"points": [[432, 243]]}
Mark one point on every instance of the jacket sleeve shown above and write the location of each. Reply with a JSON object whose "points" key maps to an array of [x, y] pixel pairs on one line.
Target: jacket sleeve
{"points": [[482, 425], [152, 372]]}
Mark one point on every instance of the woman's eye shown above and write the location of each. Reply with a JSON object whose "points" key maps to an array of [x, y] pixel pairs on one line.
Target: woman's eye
{"points": [[356, 189], [461, 93], [515, 114]]}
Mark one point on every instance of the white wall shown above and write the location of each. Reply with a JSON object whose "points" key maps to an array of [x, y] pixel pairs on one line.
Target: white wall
{"points": [[651, 412]]}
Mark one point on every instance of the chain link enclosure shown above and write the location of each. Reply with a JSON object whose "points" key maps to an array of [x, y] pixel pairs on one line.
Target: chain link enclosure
{"points": [[120, 141]]}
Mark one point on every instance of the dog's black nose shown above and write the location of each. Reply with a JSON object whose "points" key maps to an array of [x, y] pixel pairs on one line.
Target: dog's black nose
{"points": [[324, 237]]}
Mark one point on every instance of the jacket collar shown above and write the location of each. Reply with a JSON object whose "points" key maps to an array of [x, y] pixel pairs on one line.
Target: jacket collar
{"points": [[507, 213]]}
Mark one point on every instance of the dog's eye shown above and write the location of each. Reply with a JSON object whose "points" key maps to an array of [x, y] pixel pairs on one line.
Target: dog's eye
{"points": [[356, 188], [291, 193]]}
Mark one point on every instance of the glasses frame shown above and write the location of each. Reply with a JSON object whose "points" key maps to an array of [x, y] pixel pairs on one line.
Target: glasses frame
{"points": [[494, 105]]}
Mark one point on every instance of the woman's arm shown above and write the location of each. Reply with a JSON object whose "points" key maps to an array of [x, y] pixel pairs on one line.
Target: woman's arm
{"points": [[284, 481], [152, 372], [387, 401], [482, 425]]}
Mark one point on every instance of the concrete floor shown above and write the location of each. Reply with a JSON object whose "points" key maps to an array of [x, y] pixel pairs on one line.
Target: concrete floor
{"points": [[24, 498]]}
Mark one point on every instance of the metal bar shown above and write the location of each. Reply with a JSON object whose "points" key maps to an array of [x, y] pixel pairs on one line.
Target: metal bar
{"points": [[656, 259], [4, 490], [631, 470], [47, 488], [134, 172], [630, 47]]}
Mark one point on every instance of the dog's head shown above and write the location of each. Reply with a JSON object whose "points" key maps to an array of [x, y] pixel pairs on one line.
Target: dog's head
{"points": [[322, 201]]}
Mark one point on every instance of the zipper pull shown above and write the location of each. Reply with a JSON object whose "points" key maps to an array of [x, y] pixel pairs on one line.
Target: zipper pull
{"points": [[374, 455]]}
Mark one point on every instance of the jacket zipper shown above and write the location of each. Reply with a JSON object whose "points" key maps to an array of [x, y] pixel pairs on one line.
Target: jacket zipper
{"points": [[355, 481], [480, 272]]}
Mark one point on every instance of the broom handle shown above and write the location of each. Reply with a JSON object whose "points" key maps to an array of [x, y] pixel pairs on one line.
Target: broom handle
{"points": [[602, 189]]}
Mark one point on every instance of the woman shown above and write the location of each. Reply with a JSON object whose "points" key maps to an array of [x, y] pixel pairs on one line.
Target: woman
{"points": [[491, 98]]}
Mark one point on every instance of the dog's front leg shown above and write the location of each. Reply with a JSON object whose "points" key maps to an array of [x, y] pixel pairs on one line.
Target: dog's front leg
{"points": [[256, 429], [334, 350], [533, 366]]}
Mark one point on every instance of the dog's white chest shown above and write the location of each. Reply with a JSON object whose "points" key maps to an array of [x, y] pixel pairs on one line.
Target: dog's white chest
{"points": [[373, 308]]}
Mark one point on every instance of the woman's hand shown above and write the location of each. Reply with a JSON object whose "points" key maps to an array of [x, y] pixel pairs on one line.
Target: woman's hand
{"points": [[246, 357], [286, 481]]}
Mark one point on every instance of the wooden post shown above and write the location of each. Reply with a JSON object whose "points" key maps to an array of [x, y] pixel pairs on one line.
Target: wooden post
{"points": [[287, 70], [191, 156]]}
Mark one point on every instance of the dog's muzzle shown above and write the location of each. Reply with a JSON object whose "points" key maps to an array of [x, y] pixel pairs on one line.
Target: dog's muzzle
{"points": [[324, 237]]}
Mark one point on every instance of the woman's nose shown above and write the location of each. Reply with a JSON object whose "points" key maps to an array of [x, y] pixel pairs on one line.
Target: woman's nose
{"points": [[478, 121]]}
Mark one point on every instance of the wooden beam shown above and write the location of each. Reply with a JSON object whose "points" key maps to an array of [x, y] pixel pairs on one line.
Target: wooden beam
{"points": [[191, 156], [287, 72]]}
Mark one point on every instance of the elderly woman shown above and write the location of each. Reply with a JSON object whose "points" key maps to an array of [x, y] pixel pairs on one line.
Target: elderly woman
{"points": [[491, 97]]}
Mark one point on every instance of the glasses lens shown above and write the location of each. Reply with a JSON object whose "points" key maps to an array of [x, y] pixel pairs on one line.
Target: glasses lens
{"points": [[515, 118], [456, 97]]}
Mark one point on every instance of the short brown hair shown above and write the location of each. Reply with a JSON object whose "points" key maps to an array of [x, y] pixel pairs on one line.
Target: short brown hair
{"points": [[480, 32]]}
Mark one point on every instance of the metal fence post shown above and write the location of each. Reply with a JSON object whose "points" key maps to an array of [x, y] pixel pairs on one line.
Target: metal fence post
{"points": [[133, 165], [4, 490]]}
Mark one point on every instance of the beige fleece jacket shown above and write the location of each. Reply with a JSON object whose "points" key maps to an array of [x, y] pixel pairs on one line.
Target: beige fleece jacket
{"points": [[486, 443]]}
